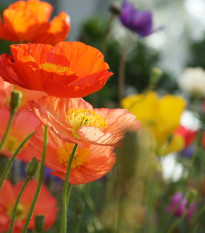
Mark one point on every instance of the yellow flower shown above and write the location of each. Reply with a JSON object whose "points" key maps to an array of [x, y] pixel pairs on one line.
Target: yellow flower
{"points": [[161, 116]]}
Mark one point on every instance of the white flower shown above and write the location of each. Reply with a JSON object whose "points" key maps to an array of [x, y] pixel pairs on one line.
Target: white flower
{"points": [[192, 81]]}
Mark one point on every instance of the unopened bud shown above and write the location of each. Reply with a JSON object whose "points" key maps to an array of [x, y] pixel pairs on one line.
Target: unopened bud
{"points": [[156, 74], [39, 223], [15, 100], [191, 196], [115, 8], [32, 167]]}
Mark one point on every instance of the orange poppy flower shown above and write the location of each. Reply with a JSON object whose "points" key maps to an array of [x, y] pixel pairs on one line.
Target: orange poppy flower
{"points": [[68, 69], [28, 21], [24, 123], [5, 90], [75, 120], [46, 206], [90, 162]]}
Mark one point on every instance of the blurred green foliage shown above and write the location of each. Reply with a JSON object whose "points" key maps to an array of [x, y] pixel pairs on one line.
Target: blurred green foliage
{"points": [[197, 51], [139, 62]]}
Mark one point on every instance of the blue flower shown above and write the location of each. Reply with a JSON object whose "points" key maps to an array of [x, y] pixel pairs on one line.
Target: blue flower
{"points": [[136, 20]]}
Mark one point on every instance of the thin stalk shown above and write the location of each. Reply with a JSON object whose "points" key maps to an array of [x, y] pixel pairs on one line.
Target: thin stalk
{"points": [[40, 180], [8, 166], [117, 209], [77, 229], [202, 210], [107, 31], [169, 217], [66, 194], [175, 224], [7, 129], [121, 71], [17, 165], [89, 201], [16, 204]]}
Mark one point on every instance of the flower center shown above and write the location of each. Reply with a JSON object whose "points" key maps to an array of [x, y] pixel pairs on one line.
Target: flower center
{"points": [[85, 117], [11, 144], [20, 212], [80, 157], [53, 67]]}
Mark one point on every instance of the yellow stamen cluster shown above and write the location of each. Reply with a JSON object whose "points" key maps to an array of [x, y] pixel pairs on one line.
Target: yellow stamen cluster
{"points": [[85, 117], [53, 67], [79, 159], [20, 213], [11, 144]]}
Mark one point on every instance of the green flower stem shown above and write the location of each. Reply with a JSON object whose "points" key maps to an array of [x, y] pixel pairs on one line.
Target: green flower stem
{"points": [[175, 224], [201, 211], [8, 166], [117, 209], [87, 197], [168, 217], [107, 31], [66, 193], [40, 181], [7, 129], [121, 70], [17, 202]]}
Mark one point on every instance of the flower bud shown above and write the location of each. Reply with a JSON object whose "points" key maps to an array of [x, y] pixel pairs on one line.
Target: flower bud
{"points": [[156, 74], [115, 8], [32, 167], [39, 223], [191, 196], [15, 100]]}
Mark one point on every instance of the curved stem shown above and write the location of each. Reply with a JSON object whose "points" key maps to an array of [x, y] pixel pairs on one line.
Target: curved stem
{"points": [[16, 204], [8, 166], [175, 224], [66, 194], [7, 129], [197, 218], [40, 180]]}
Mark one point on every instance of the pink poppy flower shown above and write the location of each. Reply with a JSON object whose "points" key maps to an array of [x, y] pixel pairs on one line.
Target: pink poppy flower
{"points": [[5, 90], [90, 162], [24, 123], [46, 206], [75, 120]]}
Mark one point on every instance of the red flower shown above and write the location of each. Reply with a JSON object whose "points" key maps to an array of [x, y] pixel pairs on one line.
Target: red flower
{"points": [[46, 206], [68, 69], [24, 123], [75, 120], [90, 163], [188, 135], [5, 91], [28, 21]]}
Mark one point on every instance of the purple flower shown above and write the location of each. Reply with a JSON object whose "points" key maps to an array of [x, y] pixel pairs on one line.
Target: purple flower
{"points": [[179, 205], [137, 21], [191, 210], [188, 152]]}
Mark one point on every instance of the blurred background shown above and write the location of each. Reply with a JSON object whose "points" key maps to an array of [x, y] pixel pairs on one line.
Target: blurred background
{"points": [[180, 43]]}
